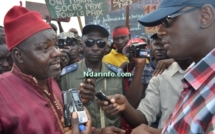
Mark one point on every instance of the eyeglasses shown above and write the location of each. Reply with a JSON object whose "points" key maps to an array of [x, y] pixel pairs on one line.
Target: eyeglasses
{"points": [[166, 21], [100, 43]]}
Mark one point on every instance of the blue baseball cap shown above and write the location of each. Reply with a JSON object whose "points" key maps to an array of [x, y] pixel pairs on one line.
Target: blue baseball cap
{"points": [[168, 7], [91, 26]]}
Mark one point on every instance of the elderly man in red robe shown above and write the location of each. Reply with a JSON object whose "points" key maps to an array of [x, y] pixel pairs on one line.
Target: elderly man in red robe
{"points": [[30, 99]]}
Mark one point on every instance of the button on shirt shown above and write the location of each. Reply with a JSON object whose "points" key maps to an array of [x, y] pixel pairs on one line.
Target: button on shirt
{"points": [[160, 91], [194, 113]]}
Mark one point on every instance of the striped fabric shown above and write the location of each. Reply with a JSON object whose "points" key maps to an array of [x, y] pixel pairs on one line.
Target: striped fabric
{"points": [[195, 111]]}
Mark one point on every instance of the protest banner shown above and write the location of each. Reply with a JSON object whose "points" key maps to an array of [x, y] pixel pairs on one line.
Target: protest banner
{"points": [[148, 9], [43, 10], [118, 17], [117, 4], [70, 8]]}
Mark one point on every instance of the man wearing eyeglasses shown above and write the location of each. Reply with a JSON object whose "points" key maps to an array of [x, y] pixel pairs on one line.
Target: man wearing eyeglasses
{"points": [[187, 30], [95, 39]]}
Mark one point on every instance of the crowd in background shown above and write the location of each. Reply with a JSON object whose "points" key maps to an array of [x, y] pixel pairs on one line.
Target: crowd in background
{"points": [[170, 90]]}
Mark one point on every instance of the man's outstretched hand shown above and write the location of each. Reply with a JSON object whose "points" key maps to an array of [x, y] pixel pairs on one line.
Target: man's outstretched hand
{"points": [[118, 104]]}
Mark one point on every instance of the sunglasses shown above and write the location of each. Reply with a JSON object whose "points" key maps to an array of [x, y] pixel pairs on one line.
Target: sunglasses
{"points": [[166, 21], [100, 43]]}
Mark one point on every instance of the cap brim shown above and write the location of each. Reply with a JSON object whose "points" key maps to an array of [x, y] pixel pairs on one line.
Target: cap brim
{"points": [[88, 28], [154, 18]]}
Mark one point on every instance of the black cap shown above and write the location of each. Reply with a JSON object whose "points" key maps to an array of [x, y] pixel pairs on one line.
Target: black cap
{"points": [[91, 26], [168, 7]]}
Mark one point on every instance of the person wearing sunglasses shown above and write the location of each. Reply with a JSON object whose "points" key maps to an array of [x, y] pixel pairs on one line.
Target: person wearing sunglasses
{"points": [[95, 38], [187, 30], [69, 48]]}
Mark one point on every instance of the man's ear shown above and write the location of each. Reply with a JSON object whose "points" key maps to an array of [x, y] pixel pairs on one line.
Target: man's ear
{"points": [[207, 16], [17, 55]]}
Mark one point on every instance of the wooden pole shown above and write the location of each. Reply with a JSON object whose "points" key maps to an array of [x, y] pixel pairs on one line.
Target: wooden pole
{"points": [[111, 4], [127, 17], [80, 23]]}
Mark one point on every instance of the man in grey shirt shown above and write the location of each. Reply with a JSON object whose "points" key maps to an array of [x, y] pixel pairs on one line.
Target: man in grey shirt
{"points": [[162, 95]]}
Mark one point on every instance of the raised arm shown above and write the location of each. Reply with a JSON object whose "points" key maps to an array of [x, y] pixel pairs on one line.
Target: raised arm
{"points": [[134, 94]]}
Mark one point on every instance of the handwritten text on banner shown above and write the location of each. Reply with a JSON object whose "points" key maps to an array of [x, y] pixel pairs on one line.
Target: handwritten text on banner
{"points": [[148, 9], [69, 8], [43, 10], [117, 4], [118, 17]]}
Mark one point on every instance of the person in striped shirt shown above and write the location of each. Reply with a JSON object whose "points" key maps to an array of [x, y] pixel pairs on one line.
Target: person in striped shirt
{"points": [[186, 29]]}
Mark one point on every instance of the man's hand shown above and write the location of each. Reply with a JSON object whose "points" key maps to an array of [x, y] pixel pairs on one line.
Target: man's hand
{"points": [[75, 123], [87, 90], [145, 129], [118, 104], [134, 62], [139, 61], [161, 66], [67, 130], [64, 58], [112, 130]]}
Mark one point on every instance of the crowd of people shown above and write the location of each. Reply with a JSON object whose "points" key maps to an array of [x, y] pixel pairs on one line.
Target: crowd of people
{"points": [[170, 90]]}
